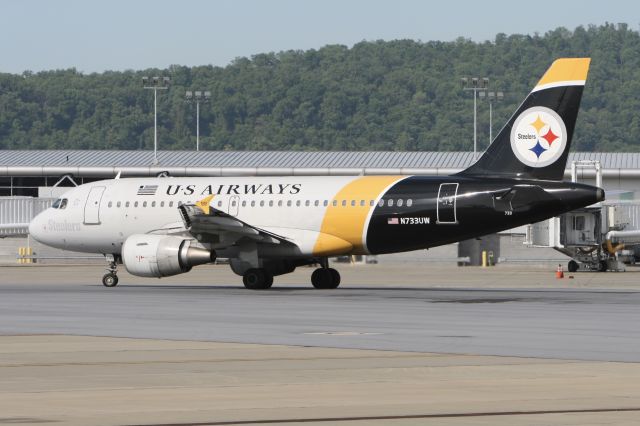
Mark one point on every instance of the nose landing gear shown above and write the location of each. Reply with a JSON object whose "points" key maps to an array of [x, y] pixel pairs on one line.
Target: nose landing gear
{"points": [[110, 279]]}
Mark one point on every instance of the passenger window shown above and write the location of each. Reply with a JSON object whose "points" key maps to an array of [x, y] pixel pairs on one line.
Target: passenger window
{"points": [[409, 202], [233, 203], [253, 203], [335, 203], [161, 203], [353, 203], [135, 204], [244, 203], [110, 204], [326, 203], [126, 204], [262, 203], [390, 202], [400, 202], [344, 203], [361, 203], [298, 203], [279, 203], [270, 203], [289, 203], [170, 203], [220, 203], [381, 203], [316, 203], [153, 204], [144, 204], [307, 203], [371, 203], [118, 204]]}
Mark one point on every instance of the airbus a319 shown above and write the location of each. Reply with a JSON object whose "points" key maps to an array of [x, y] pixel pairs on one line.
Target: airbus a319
{"points": [[268, 226]]}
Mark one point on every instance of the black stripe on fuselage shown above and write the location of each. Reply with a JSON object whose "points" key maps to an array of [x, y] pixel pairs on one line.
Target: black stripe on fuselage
{"points": [[479, 207]]}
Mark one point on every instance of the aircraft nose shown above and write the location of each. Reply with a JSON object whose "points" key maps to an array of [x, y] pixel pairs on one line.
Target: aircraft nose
{"points": [[36, 228]]}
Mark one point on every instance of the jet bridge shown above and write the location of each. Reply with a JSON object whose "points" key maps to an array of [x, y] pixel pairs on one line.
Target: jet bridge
{"points": [[598, 237]]}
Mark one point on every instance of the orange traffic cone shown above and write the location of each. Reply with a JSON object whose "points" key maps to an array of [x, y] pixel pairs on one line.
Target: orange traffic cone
{"points": [[559, 272]]}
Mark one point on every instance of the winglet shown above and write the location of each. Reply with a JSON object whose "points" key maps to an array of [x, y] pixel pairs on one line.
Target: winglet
{"points": [[204, 204]]}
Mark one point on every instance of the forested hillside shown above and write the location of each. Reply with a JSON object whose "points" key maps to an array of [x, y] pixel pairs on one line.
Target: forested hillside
{"points": [[397, 95]]}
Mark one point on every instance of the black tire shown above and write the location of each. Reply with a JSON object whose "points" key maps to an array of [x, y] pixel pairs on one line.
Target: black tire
{"points": [[322, 278], [110, 280], [257, 279], [572, 266], [602, 266], [335, 278]]}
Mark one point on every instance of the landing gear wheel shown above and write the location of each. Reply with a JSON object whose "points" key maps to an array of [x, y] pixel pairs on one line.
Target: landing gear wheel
{"points": [[572, 266], [335, 276], [257, 279], [602, 266], [110, 280], [325, 278]]}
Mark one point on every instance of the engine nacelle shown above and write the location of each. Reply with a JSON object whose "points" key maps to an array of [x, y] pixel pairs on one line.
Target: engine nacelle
{"points": [[158, 256]]}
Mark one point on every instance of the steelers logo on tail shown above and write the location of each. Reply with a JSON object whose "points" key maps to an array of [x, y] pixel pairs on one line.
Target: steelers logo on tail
{"points": [[538, 137]]}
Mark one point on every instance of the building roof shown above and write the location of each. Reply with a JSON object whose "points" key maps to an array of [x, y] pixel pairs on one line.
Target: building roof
{"points": [[101, 163]]}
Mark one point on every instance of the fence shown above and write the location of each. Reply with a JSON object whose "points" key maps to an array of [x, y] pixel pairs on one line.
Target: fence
{"points": [[17, 212]]}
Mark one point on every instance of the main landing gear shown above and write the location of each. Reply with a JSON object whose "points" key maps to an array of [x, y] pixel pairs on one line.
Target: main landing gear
{"points": [[110, 279], [257, 279], [325, 277]]}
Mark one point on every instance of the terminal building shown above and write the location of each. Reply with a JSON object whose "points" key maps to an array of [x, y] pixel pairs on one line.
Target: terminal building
{"points": [[31, 179]]}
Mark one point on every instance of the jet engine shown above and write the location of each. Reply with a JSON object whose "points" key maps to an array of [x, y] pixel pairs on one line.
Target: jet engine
{"points": [[147, 255]]}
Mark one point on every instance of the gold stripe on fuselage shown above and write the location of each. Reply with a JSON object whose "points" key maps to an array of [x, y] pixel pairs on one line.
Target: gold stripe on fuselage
{"points": [[342, 229]]}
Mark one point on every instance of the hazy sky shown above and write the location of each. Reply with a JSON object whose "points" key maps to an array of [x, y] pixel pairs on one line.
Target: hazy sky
{"points": [[95, 36]]}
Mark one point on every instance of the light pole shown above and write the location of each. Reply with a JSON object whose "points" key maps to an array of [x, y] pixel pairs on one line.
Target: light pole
{"points": [[477, 85], [491, 96], [197, 97], [155, 84]]}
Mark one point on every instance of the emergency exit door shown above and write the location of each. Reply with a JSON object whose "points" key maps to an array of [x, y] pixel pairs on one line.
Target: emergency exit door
{"points": [[92, 206], [234, 205], [446, 211]]}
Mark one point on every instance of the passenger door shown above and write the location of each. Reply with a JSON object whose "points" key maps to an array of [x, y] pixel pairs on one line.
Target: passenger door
{"points": [[92, 206], [446, 212]]}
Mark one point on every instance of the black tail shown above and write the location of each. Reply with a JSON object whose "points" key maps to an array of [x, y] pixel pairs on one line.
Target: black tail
{"points": [[535, 141]]}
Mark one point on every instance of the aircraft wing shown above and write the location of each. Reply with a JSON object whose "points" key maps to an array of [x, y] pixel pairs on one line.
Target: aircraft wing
{"points": [[221, 229]]}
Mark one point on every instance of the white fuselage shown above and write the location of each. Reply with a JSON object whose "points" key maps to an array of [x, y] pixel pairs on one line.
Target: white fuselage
{"points": [[100, 216]]}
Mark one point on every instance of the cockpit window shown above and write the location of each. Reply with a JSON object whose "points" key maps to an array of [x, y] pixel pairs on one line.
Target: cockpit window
{"points": [[60, 203]]}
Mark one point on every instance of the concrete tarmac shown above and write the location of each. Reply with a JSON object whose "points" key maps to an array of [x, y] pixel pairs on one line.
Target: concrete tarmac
{"points": [[396, 345], [587, 323]]}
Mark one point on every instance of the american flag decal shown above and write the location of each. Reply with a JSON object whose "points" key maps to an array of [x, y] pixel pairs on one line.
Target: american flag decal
{"points": [[392, 221], [147, 189]]}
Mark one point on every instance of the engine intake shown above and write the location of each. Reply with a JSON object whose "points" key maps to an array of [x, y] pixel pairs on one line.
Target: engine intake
{"points": [[158, 256]]}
